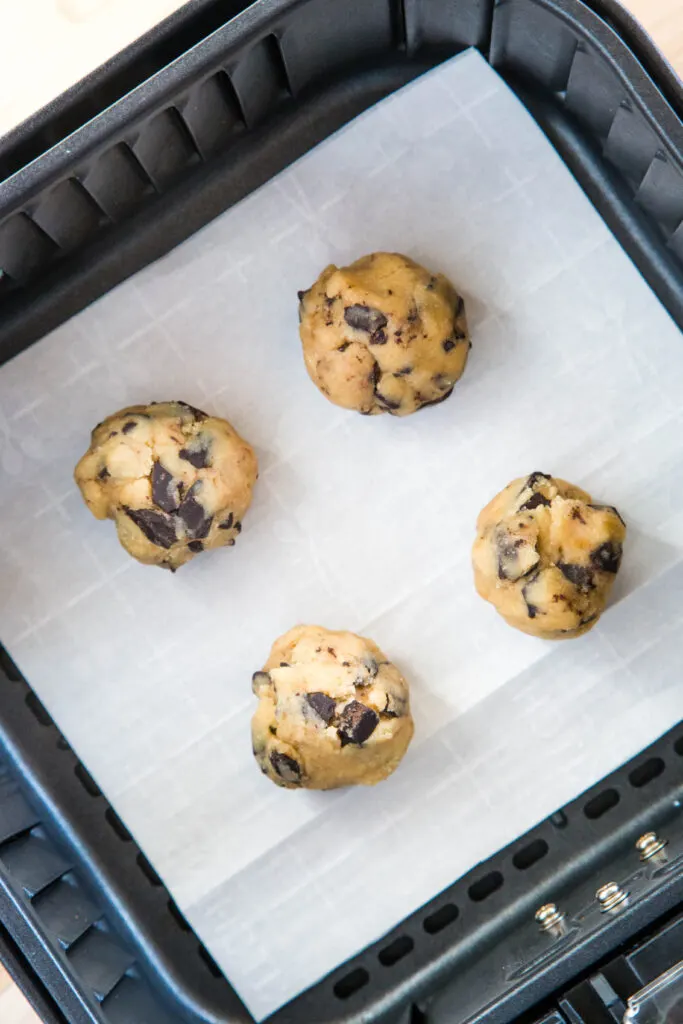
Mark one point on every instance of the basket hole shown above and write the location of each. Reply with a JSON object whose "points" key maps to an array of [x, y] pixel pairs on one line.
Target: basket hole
{"points": [[177, 916], [395, 951], [37, 709], [147, 870], [440, 919], [678, 746], [350, 983], [559, 819], [117, 825], [646, 772], [86, 780], [209, 961], [530, 855], [485, 887], [601, 804]]}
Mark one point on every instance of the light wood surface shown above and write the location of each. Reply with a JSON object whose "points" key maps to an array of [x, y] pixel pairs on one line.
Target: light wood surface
{"points": [[48, 45]]}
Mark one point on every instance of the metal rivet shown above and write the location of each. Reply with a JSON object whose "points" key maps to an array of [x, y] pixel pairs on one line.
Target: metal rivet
{"points": [[549, 917], [610, 896], [649, 845]]}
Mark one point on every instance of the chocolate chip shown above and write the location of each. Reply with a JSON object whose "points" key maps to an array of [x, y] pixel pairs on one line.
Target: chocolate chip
{"points": [[272, 730], [323, 705], [608, 508], [448, 345], [367, 672], [534, 501], [157, 527], [440, 399], [114, 433], [459, 334], [238, 527], [516, 556], [343, 347], [378, 338], [197, 413], [284, 664], [194, 516], [375, 375], [576, 514], [196, 546], [413, 316], [356, 723], [258, 680], [460, 307], [197, 457], [531, 608], [286, 767], [607, 558], [300, 296], [227, 523], [387, 403], [431, 284], [404, 371], [535, 479], [127, 427], [103, 474], [365, 318], [165, 488], [580, 575]]}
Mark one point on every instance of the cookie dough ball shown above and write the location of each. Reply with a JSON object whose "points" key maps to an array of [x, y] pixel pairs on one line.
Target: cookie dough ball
{"points": [[546, 556], [383, 335], [333, 711], [174, 480]]}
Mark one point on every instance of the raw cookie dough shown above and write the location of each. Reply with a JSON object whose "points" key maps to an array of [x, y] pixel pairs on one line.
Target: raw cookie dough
{"points": [[546, 556], [174, 480], [383, 335], [333, 711]]}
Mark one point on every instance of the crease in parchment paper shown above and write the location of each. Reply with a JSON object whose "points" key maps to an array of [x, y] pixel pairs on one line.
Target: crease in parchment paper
{"points": [[357, 523]]}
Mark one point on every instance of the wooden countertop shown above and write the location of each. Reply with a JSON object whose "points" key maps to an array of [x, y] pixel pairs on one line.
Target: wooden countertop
{"points": [[67, 39]]}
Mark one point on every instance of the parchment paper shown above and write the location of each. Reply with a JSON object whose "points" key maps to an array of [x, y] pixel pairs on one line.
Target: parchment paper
{"points": [[359, 523]]}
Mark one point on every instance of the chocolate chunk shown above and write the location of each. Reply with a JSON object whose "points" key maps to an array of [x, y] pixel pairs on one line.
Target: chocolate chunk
{"points": [[227, 523], [607, 558], [157, 527], [356, 723], [286, 767], [580, 575], [323, 705], [535, 479], [284, 664], [448, 345], [367, 672], [378, 338], [197, 457], [103, 474], [531, 608], [534, 501], [272, 730], [238, 527], [197, 413], [165, 488], [387, 403], [608, 508], [404, 371], [259, 680], [516, 556], [343, 347], [196, 546], [127, 427], [194, 516], [365, 318], [440, 399]]}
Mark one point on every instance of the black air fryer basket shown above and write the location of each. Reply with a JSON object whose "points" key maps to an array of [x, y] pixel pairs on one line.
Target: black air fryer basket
{"points": [[113, 174]]}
